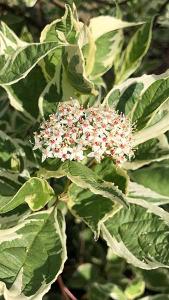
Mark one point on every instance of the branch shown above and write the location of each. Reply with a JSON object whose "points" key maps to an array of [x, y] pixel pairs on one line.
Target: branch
{"points": [[70, 295], [66, 294]]}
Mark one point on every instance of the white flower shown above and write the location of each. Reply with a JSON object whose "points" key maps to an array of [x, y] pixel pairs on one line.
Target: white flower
{"points": [[74, 132], [78, 155], [37, 142], [46, 153]]}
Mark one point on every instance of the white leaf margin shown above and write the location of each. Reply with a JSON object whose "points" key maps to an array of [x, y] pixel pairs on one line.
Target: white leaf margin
{"points": [[54, 46], [103, 24], [147, 80], [136, 190], [121, 250], [8, 235]]}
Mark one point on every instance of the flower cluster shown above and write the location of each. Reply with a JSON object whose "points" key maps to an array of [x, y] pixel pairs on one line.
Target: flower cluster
{"points": [[75, 132]]}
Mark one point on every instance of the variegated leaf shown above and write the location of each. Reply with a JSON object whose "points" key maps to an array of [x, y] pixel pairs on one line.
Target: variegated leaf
{"points": [[26, 273]]}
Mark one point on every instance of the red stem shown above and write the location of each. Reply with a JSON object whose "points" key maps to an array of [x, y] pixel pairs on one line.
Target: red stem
{"points": [[70, 295], [66, 294]]}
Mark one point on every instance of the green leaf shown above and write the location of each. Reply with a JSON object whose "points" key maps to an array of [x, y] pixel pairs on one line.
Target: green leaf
{"points": [[10, 153], [158, 122], [9, 41], [156, 95], [108, 171], [146, 243], [128, 94], [135, 289], [138, 191], [51, 168], [50, 95], [25, 272], [91, 198], [134, 53], [104, 24], [153, 150], [153, 131], [29, 161], [85, 178], [107, 47], [90, 208], [115, 268], [64, 28], [151, 278], [129, 97], [73, 62], [88, 46], [13, 217], [24, 95], [106, 291], [67, 29], [107, 39], [149, 108], [35, 192], [22, 61], [58, 87], [112, 98], [84, 276], [154, 177]]}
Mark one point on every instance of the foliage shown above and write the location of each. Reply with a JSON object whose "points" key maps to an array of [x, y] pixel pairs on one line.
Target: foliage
{"points": [[124, 208]]}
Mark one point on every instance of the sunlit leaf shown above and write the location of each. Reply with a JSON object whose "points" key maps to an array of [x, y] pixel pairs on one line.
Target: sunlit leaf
{"points": [[24, 273]]}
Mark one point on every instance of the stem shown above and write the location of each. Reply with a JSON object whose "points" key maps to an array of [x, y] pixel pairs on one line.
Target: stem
{"points": [[70, 295], [66, 294], [62, 288]]}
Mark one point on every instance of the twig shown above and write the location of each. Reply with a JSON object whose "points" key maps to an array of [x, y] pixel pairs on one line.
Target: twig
{"points": [[62, 288], [70, 295], [66, 294]]}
